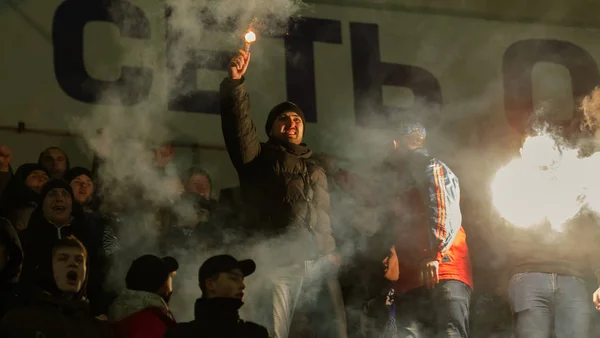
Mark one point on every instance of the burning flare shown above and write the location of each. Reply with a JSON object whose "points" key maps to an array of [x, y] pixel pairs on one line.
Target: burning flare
{"points": [[549, 183], [250, 37]]}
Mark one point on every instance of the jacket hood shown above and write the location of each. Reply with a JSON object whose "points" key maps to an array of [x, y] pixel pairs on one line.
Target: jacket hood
{"points": [[10, 240], [131, 301], [19, 194]]}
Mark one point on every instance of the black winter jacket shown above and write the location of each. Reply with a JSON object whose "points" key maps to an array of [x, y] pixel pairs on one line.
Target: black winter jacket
{"points": [[285, 192], [217, 317]]}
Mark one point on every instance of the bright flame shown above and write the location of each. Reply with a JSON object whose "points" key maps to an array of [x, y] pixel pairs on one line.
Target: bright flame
{"points": [[548, 183], [395, 144], [250, 37]]}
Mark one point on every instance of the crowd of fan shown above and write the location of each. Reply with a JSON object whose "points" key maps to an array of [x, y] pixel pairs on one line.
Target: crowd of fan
{"points": [[58, 243]]}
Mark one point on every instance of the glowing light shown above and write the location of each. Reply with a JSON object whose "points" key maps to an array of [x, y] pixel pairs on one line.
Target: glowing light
{"points": [[250, 37], [549, 183]]}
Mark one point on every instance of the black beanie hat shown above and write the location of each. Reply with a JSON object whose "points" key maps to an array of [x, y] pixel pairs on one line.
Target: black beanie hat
{"points": [[279, 109], [76, 172], [26, 169], [57, 183], [148, 273]]}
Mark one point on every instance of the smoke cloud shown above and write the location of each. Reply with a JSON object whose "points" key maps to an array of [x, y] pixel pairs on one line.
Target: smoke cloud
{"points": [[125, 138]]}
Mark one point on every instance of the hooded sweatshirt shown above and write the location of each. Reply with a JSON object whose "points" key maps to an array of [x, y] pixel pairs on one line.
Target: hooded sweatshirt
{"points": [[140, 314], [17, 194], [51, 314]]}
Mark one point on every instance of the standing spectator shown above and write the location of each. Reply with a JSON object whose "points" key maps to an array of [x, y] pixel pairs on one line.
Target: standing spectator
{"points": [[11, 262], [56, 218], [142, 311], [58, 307], [547, 289], [194, 231], [221, 279], [434, 283], [22, 195], [286, 199], [83, 187], [55, 161], [85, 194], [5, 169], [198, 181]]}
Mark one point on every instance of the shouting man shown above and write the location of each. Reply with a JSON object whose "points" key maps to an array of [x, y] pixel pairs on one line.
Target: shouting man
{"points": [[58, 306], [287, 197]]}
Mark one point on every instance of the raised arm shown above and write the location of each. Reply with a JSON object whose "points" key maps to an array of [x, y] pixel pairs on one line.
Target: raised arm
{"points": [[239, 132]]}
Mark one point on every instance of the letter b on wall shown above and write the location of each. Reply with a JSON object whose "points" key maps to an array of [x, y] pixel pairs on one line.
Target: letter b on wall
{"points": [[370, 74]]}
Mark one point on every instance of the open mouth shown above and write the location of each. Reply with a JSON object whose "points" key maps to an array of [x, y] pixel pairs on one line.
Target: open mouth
{"points": [[72, 277], [239, 295], [59, 208]]}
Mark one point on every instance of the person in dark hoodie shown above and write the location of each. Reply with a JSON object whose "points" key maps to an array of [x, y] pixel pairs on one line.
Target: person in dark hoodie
{"points": [[58, 217], [285, 192], [22, 195], [11, 262], [83, 186], [58, 307], [84, 191], [221, 280], [142, 310], [55, 161]]}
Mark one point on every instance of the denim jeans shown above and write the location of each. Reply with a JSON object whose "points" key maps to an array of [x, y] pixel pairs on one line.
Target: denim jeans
{"points": [[272, 302], [440, 312], [547, 303]]}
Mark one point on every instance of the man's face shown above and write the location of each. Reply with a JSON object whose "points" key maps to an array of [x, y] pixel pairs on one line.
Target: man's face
{"points": [[55, 161], [83, 188], [167, 290], [36, 180], [57, 206], [199, 184], [68, 266], [288, 127], [227, 285]]}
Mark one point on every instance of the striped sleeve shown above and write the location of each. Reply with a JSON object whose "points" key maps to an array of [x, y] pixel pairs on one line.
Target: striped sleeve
{"points": [[443, 206]]}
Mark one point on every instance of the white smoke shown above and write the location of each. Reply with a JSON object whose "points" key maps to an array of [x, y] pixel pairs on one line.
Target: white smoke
{"points": [[131, 183]]}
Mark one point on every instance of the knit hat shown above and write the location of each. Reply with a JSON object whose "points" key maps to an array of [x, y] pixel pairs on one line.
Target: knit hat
{"points": [[76, 172], [56, 184], [279, 109], [27, 168], [148, 273]]}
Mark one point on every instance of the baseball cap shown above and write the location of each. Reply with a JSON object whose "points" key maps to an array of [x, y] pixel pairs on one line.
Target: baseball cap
{"points": [[148, 273], [224, 263]]}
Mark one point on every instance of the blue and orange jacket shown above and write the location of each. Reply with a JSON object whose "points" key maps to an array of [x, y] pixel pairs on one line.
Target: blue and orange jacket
{"points": [[426, 220]]}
